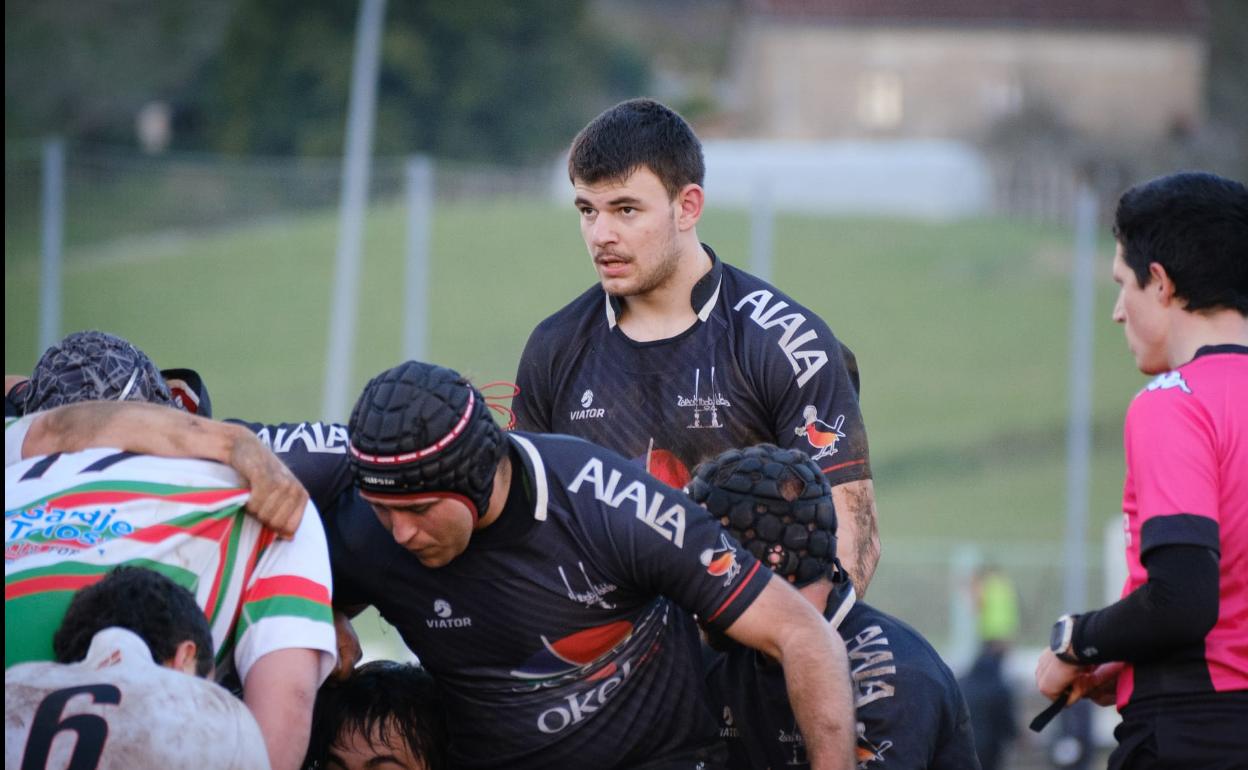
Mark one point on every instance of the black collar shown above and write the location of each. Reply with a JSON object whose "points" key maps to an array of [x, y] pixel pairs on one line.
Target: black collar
{"points": [[1213, 350], [703, 297]]}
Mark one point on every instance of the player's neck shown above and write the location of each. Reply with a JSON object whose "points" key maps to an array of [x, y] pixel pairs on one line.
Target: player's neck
{"points": [[1192, 331], [498, 495], [666, 311]]}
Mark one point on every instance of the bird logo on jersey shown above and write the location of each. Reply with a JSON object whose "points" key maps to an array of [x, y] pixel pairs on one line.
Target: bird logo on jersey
{"points": [[867, 752], [819, 434], [721, 561]]}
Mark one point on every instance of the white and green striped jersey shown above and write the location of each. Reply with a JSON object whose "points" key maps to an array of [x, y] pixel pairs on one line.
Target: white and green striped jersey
{"points": [[72, 517]]}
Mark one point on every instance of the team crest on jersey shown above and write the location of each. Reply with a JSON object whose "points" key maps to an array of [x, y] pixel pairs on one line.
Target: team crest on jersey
{"points": [[706, 401], [1168, 381], [587, 411], [821, 436], [594, 593], [721, 561]]}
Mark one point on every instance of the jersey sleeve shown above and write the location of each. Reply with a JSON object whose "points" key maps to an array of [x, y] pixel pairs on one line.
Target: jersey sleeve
{"points": [[1172, 466], [15, 430], [658, 540], [286, 603], [534, 399], [316, 452], [808, 388]]}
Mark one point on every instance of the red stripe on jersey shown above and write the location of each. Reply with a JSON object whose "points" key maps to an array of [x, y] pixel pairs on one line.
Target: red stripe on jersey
{"points": [[213, 529], [49, 583], [831, 468], [287, 585], [104, 497], [735, 593]]}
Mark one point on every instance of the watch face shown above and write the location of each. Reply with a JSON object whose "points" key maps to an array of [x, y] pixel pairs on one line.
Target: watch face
{"points": [[1056, 636]]}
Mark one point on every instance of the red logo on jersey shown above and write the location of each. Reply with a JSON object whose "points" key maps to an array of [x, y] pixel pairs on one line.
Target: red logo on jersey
{"points": [[819, 434], [721, 561]]}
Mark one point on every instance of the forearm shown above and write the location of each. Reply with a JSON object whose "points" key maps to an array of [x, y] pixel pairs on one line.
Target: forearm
{"points": [[816, 674], [858, 533], [280, 691], [1176, 607], [133, 427]]}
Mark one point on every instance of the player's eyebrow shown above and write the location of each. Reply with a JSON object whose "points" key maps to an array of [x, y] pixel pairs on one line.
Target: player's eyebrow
{"points": [[623, 200]]}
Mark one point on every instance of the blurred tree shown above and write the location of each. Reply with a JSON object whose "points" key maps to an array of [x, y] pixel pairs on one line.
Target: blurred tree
{"points": [[472, 79], [85, 69]]}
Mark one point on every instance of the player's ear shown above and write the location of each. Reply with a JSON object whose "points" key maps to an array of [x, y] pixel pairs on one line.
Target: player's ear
{"points": [[1161, 282], [689, 206], [184, 657]]}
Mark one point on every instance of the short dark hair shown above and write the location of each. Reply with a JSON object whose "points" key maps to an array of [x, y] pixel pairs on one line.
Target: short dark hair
{"points": [[146, 602], [382, 698], [1195, 225], [636, 133]]}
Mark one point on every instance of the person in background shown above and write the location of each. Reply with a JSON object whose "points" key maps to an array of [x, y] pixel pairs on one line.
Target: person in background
{"points": [[989, 697]]}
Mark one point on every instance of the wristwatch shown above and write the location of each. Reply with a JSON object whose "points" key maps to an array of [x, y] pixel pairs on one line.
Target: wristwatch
{"points": [[1061, 639]]}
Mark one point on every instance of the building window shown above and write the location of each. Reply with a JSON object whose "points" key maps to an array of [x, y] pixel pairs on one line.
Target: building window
{"points": [[879, 100]]}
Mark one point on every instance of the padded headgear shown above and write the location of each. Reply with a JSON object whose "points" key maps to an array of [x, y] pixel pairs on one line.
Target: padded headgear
{"points": [[94, 366], [773, 501], [420, 428]]}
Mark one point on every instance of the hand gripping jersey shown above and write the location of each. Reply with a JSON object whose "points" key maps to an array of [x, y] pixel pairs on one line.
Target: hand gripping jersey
{"points": [[70, 518], [118, 710], [911, 714], [562, 636], [1186, 446], [757, 367]]}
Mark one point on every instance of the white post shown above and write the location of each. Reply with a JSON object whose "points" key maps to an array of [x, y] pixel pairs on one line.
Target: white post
{"points": [[762, 228], [355, 168], [52, 244], [419, 235]]}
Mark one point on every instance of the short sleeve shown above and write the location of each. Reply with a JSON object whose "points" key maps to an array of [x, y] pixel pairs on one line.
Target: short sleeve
{"points": [[658, 540], [1172, 468], [286, 604], [532, 403]]}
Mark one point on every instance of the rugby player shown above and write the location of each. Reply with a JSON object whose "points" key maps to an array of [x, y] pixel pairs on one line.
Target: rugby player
{"points": [[678, 355], [910, 712], [548, 585], [124, 692], [73, 515], [1174, 648], [384, 715]]}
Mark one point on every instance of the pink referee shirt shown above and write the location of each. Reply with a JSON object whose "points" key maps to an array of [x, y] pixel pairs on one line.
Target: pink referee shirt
{"points": [[1186, 445]]}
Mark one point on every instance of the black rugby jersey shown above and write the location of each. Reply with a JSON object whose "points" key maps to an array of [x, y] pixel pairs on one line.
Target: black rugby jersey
{"points": [[756, 367], [562, 636], [911, 713]]}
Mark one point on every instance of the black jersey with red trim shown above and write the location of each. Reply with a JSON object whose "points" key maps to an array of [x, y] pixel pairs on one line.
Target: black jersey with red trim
{"points": [[562, 636], [911, 714], [756, 367]]}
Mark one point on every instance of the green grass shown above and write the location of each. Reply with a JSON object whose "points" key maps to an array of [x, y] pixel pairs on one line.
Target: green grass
{"points": [[960, 331]]}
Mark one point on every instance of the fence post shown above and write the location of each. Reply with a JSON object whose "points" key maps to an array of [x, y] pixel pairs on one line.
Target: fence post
{"points": [[419, 189], [355, 167], [52, 243], [762, 228]]}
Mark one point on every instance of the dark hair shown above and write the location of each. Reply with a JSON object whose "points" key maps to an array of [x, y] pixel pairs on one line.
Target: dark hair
{"points": [[151, 605], [1195, 225], [383, 699], [636, 133]]}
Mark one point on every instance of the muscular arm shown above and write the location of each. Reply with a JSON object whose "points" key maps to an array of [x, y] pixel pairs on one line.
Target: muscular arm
{"points": [[277, 498], [858, 534], [783, 625], [280, 690]]}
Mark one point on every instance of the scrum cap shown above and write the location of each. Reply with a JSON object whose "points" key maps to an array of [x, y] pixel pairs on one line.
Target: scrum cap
{"points": [[420, 428], [94, 366], [777, 503]]}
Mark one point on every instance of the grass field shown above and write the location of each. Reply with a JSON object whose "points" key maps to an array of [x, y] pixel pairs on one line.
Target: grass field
{"points": [[960, 330]]}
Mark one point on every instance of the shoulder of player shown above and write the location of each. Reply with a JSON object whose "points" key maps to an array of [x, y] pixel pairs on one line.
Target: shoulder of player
{"points": [[585, 309], [747, 297], [913, 655]]}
